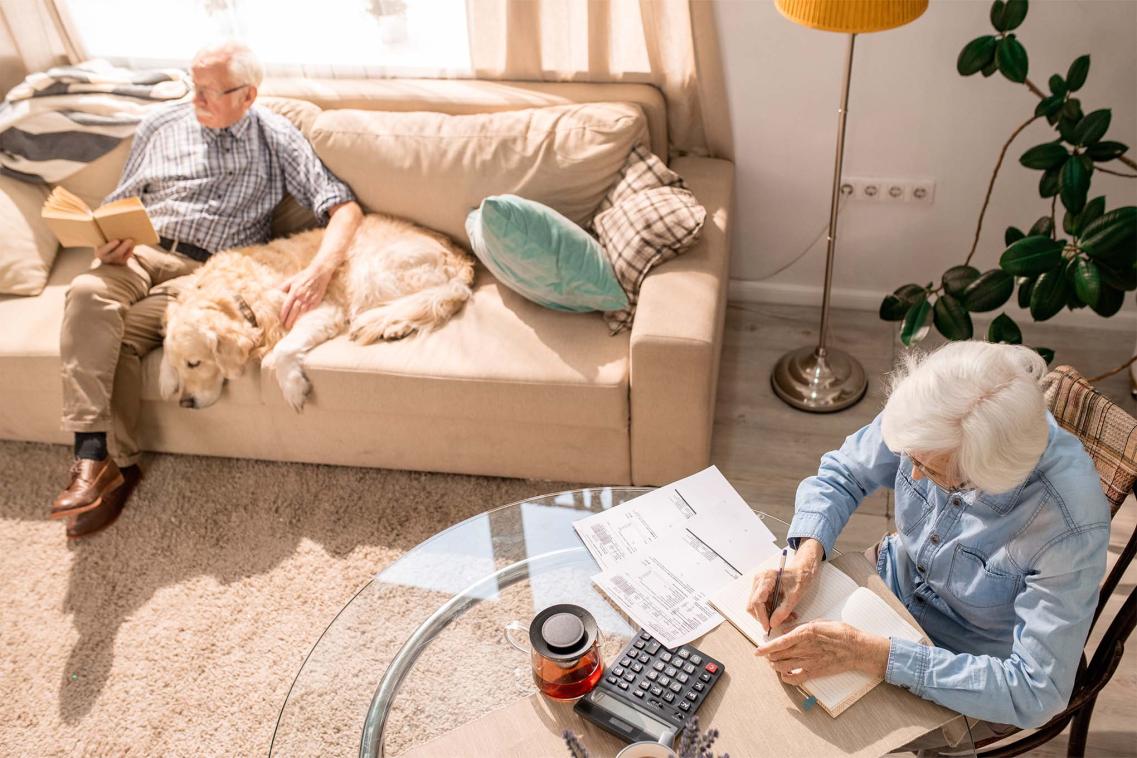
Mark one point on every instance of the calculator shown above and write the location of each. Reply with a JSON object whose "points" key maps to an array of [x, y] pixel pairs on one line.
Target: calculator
{"points": [[650, 690]]}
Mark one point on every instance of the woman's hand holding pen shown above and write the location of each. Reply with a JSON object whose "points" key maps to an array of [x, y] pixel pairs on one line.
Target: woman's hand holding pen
{"points": [[799, 574]]}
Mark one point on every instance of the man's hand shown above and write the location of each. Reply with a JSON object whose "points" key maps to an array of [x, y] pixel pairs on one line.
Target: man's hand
{"points": [[115, 252], [304, 291], [797, 577], [820, 648]]}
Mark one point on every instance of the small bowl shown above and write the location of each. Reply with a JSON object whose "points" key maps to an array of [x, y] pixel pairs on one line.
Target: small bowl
{"points": [[646, 750]]}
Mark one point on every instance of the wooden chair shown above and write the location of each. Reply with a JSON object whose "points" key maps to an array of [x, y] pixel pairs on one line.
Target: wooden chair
{"points": [[1109, 435]]}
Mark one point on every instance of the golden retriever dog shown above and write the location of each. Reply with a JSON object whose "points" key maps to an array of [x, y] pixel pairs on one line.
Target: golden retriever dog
{"points": [[397, 278]]}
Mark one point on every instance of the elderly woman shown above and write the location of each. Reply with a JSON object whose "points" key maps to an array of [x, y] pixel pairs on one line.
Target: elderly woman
{"points": [[1001, 540]]}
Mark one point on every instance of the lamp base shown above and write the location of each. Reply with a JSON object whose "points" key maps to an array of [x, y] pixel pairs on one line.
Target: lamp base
{"points": [[819, 383]]}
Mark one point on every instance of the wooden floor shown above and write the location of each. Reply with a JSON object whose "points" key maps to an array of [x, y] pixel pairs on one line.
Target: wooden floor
{"points": [[765, 448]]}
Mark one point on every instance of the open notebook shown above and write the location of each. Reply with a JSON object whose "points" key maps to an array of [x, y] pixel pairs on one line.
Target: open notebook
{"points": [[836, 597]]}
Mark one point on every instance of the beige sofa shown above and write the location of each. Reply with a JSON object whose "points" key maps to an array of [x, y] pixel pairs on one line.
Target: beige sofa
{"points": [[506, 388]]}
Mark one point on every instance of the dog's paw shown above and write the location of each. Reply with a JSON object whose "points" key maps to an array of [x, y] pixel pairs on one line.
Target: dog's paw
{"points": [[269, 361], [296, 387], [373, 331]]}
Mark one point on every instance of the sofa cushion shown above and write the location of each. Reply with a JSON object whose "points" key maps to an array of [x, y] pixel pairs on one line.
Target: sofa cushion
{"points": [[540, 254], [28, 248], [434, 169]]}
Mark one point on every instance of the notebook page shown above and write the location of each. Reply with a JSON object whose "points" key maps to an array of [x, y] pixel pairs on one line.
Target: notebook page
{"points": [[868, 612]]}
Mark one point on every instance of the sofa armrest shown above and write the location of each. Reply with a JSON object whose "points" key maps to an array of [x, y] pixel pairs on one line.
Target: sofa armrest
{"points": [[676, 339], [27, 246]]}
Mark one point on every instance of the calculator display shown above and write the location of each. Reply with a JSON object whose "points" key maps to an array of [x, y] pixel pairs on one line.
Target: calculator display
{"points": [[623, 712]]}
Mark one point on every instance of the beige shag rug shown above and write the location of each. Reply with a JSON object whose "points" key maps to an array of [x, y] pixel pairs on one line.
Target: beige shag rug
{"points": [[178, 631]]}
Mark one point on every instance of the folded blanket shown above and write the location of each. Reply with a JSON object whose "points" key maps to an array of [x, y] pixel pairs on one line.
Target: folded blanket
{"points": [[57, 121]]}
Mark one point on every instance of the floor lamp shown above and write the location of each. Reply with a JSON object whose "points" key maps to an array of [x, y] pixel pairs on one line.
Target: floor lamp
{"points": [[822, 379]]}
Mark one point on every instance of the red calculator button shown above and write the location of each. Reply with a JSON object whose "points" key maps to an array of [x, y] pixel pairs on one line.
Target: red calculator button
{"points": [[712, 668]]}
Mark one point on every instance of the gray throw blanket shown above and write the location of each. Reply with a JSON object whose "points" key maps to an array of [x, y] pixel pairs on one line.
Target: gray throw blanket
{"points": [[56, 122]]}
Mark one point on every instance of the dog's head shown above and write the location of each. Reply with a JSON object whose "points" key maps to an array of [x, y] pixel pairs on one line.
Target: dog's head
{"points": [[207, 343]]}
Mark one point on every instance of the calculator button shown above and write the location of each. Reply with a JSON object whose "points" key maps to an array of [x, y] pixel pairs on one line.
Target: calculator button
{"points": [[626, 662], [671, 671], [699, 686], [639, 693], [637, 667], [658, 666], [682, 678], [664, 681], [645, 658], [657, 691], [639, 645], [669, 697], [611, 680], [653, 675], [684, 706], [618, 670], [622, 685], [653, 648], [689, 669], [697, 660], [676, 687], [711, 668], [665, 656], [684, 652], [704, 677], [691, 696], [645, 636], [630, 677]]}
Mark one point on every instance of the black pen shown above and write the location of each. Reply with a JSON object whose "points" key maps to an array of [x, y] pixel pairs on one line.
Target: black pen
{"points": [[772, 602]]}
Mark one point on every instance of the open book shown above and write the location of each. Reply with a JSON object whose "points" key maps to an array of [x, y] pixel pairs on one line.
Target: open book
{"points": [[835, 597], [76, 225]]}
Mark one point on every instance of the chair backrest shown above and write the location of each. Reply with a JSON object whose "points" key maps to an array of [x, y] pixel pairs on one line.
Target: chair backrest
{"points": [[1108, 433]]}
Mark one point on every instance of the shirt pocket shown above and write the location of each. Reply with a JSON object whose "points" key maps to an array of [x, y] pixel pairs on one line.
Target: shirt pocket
{"points": [[912, 508], [973, 583]]}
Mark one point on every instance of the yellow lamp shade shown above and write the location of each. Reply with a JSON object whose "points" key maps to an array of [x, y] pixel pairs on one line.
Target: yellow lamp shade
{"points": [[852, 16]]}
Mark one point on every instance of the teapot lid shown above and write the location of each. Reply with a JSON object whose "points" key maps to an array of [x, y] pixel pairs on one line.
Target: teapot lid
{"points": [[562, 632]]}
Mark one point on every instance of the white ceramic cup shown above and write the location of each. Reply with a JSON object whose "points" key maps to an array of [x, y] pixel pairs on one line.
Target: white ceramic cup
{"points": [[646, 750]]}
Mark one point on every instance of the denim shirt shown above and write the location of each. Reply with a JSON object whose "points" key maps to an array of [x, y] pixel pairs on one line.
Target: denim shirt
{"points": [[1004, 585]]}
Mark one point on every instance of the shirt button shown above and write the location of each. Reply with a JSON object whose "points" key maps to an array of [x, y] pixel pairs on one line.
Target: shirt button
{"points": [[921, 568], [920, 599], [956, 501], [935, 538]]}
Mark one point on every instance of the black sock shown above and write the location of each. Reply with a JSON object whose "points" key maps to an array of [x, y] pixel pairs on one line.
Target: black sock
{"points": [[91, 445]]}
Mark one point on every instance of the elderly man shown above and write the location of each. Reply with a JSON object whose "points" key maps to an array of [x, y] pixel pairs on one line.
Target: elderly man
{"points": [[210, 173]]}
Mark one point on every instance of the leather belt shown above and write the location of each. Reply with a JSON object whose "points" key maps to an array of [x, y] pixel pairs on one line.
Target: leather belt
{"points": [[185, 248]]}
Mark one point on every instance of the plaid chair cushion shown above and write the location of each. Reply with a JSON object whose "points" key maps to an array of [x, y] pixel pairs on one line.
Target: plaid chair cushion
{"points": [[649, 216], [1108, 433]]}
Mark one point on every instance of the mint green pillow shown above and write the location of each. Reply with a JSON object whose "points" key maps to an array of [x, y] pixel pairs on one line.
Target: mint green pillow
{"points": [[543, 256]]}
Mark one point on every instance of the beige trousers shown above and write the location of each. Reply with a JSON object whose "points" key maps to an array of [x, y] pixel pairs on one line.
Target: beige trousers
{"points": [[111, 319]]}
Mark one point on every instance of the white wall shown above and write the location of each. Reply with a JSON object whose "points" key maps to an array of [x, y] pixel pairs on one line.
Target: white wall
{"points": [[910, 115]]}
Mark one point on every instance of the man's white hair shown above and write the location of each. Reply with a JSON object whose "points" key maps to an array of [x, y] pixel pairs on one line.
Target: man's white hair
{"points": [[979, 403], [244, 66]]}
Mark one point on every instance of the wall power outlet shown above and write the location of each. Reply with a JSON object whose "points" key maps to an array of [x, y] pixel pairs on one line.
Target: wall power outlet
{"points": [[889, 190]]}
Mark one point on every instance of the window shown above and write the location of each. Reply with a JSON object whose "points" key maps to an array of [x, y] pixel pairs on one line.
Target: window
{"points": [[329, 37]]}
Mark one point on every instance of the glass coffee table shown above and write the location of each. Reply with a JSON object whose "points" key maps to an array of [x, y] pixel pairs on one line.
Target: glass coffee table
{"points": [[422, 648]]}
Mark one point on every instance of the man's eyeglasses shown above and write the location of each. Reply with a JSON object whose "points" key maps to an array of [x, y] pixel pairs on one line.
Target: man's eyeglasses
{"points": [[215, 94]]}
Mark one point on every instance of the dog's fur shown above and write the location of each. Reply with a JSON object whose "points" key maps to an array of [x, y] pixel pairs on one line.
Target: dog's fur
{"points": [[397, 278]]}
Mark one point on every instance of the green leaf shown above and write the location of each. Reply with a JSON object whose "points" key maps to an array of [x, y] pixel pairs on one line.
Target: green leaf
{"points": [[989, 69], [895, 306], [1012, 59], [956, 279], [1057, 86], [916, 323], [1087, 281], [1106, 150], [1012, 235], [1109, 302], [1093, 127], [998, 9], [1044, 225], [989, 291], [1076, 76], [1014, 14], [1004, 329], [1031, 255], [1072, 109], [1048, 185], [951, 319], [1079, 221], [1044, 156], [1049, 295], [1074, 184], [1109, 232], [975, 55], [1046, 353], [1119, 277], [1049, 106], [1025, 286]]}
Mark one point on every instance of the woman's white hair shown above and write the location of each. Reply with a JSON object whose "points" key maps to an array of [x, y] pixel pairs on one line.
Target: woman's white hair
{"points": [[244, 66], [977, 402]]}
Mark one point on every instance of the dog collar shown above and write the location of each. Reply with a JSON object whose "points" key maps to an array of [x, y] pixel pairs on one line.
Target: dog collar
{"points": [[247, 312]]}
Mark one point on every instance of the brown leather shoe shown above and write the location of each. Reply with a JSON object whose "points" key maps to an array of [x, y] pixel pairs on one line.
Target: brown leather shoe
{"points": [[107, 513], [90, 481]]}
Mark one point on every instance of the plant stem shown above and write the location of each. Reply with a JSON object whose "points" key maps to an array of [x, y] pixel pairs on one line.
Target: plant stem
{"points": [[1127, 161], [1053, 220], [1115, 173], [1035, 89], [991, 186], [1118, 370]]}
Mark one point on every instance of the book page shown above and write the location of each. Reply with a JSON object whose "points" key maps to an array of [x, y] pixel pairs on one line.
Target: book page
{"points": [[126, 219], [72, 231], [866, 611]]}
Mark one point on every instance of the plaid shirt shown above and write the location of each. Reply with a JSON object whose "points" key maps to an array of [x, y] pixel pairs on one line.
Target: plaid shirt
{"points": [[217, 188]]}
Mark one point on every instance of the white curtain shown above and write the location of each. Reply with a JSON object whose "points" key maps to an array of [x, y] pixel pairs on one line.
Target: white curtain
{"points": [[33, 37]]}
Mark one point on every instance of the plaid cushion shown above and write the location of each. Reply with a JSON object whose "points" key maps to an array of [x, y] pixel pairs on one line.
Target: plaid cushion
{"points": [[649, 216], [1108, 433]]}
